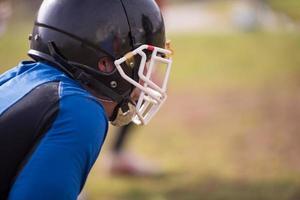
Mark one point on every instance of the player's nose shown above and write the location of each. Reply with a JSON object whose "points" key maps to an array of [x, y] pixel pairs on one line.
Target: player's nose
{"points": [[135, 94]]}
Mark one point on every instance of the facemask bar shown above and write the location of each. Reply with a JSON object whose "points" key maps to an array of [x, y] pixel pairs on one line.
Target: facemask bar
{"points": [[152, 95]]}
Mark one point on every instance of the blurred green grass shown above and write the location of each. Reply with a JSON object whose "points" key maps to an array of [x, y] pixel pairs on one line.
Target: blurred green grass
{"points": [[14, 44], [229, 129], [289, 7], [235, 59]]}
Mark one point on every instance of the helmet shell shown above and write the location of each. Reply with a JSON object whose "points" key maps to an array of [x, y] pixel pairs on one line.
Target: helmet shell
{"points": [[87, 31]]}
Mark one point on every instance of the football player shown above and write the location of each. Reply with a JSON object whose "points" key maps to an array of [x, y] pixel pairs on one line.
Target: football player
{"points": [[93, 62]]}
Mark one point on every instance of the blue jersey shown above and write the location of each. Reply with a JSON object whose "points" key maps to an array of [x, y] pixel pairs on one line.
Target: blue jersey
{"points": [[51, 132]]}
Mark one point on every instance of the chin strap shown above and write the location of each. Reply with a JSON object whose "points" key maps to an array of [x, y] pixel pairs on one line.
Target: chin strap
{"points": [[123, 105], [76, 72]]}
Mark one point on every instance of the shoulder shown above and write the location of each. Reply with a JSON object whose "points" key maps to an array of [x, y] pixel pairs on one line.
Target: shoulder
{"points": [[80, 112], [76, 104], [77, 100]]}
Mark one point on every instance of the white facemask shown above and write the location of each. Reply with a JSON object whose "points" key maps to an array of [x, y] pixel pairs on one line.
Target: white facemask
{"points": [[152, 93]]}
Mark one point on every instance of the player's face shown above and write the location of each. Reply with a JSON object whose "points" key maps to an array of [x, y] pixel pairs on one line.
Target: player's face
{"points": [[136, 92]]}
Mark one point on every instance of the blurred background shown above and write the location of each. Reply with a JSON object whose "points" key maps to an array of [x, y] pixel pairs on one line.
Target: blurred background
{"points": [[231, 126]]}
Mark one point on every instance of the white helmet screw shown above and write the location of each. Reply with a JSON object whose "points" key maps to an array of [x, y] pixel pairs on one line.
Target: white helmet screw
{"points": [[113, 84]]}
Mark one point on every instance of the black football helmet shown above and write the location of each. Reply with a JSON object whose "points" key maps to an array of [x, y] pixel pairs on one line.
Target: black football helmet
{"points": [[85, 38]]}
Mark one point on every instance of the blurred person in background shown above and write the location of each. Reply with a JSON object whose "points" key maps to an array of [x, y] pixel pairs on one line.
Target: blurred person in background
{"points": [[5, 13], [123, 162], [55, 111], [246, 14]]}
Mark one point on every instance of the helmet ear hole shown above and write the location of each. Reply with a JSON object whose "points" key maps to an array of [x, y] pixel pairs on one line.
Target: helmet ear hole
{"points": [[106, 65]]}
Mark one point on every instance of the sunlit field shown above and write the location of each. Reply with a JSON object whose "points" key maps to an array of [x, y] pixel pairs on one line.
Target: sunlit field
{"points": [[229, 130], [291, 7]]}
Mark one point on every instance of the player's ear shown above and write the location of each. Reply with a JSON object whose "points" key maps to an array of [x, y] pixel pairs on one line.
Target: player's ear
{"points": [[106, 65]]}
